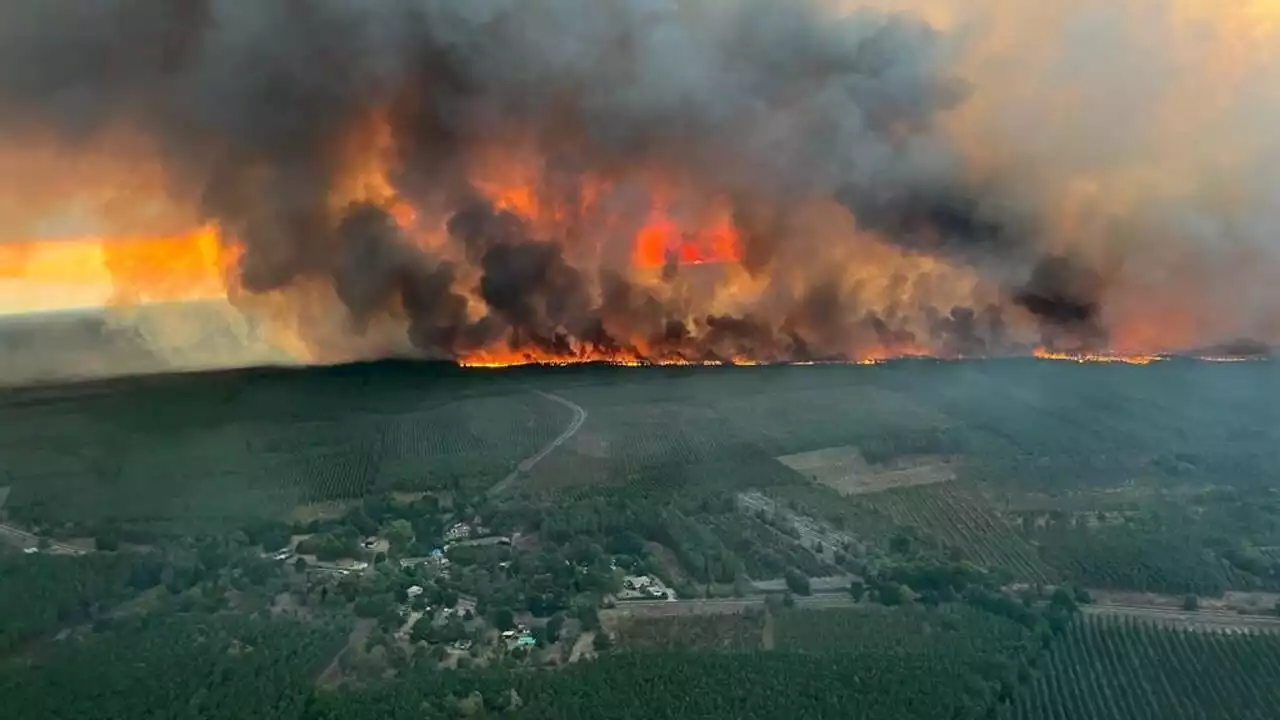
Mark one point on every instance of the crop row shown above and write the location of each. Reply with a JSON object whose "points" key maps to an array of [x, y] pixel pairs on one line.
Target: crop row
{"points": [[1112, 668], [957, 520]]}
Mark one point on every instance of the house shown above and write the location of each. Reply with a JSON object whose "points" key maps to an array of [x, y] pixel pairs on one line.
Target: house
{"points": [[370, 543], [526, 641], [640, 587], [460, 531], [414, 591]]}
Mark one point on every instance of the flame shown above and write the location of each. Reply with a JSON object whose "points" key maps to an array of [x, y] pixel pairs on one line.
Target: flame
{"points": [[662, 240], [1045, 354]]}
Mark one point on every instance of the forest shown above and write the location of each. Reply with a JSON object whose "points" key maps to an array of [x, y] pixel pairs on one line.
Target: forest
{"points": [[389, 553]]}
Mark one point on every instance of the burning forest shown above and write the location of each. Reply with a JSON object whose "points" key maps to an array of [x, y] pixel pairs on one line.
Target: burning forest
{"points": [[654, 181]]}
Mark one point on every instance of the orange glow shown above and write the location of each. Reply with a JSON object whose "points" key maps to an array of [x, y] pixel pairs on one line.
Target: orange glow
{"points": [[1044, 354], [193, 266], [662, 240]]}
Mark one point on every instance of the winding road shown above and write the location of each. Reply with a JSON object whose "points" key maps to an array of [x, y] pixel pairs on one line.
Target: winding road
{"points": [[579, 417]]}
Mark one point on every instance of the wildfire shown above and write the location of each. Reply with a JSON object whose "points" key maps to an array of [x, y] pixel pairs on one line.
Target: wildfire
{"points": [[1087, 357]]}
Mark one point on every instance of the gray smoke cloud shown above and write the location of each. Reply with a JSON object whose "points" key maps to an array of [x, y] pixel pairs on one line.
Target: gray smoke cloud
{"points": [[770, 105]]}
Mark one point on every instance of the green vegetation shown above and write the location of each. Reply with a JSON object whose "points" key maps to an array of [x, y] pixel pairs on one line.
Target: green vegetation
{"points": [[374, 541], [959, 629], [714, 631], [192, 453], [964, 524], [198, 667], [41, 593], [748, 686], [1111, 668]]}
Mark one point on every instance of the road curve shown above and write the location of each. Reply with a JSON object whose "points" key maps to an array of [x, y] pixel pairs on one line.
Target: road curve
{"points": [[579, 417]]}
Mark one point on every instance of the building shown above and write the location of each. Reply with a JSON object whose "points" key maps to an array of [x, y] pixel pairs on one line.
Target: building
{"points": [[460, 531], [644, 587], [414, 591]]}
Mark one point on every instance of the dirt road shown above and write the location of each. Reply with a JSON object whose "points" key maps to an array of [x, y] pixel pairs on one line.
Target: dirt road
{"points": [[579, 417], [332, 674]]}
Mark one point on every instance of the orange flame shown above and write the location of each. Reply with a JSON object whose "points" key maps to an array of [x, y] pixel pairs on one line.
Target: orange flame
{"points": [[1045, 354]]}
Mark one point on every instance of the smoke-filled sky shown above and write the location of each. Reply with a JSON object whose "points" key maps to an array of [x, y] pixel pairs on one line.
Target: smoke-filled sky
{"points": [[706, 179]]}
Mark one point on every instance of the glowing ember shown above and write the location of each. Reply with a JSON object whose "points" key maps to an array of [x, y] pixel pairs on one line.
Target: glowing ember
{"points": [[1043, 354]]}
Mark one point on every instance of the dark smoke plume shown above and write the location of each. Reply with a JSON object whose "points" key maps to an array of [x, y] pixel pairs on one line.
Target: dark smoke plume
{"points": [[771, 105]]}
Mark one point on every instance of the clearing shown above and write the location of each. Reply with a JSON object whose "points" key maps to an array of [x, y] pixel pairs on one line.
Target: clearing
{"points": [[845, 470]]}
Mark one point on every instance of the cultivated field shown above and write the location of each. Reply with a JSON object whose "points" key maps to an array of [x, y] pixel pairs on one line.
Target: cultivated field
{"points": [[1109, 668], [1160, 478], [846, 471]]}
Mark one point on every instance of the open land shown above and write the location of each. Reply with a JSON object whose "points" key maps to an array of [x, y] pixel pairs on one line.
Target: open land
{"points": [[405, 535]]}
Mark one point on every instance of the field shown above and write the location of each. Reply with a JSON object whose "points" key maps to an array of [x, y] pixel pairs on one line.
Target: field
{"points": [[1110, 668], [958, 630], [1159, 478], [716, 631], [965, 522], [846, 471], [968, 506]]}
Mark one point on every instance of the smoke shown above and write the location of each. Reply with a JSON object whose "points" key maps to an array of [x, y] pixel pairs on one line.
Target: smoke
{"points": [[954, 180]]}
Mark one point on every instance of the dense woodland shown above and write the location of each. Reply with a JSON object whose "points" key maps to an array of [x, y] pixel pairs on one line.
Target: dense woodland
{"points": [[956, 598]]}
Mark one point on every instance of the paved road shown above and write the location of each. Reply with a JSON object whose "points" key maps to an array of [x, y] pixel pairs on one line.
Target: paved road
{"points": [[16, 536], [579, 417], [1199, 619], [721, 605]]}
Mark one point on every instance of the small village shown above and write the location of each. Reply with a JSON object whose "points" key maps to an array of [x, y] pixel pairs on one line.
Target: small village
{"points": [[433, 615]]}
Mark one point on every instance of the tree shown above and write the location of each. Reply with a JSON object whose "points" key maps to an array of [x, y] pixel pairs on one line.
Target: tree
{"points": [[554, 626], [589, 616], [276, 538], [504, 619], [857, 589], [421, 631], [300, 564], [890, 594], [797, 582], [471, 705], [1190, 603], [371, 607], [601, 642], [1064, 600], [399, 535]]}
